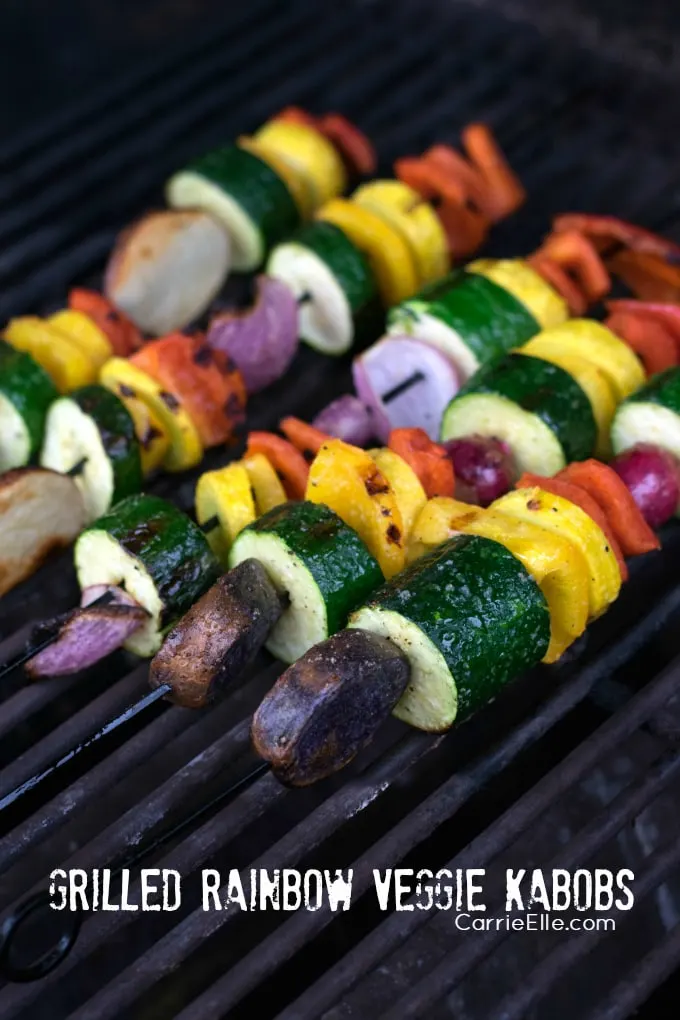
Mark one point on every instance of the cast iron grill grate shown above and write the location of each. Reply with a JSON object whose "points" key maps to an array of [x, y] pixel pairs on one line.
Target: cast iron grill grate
{"points": [[572, 766]]}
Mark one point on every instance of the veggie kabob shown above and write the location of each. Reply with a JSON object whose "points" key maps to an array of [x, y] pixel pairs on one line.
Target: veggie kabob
{"points": [[180, 397]]}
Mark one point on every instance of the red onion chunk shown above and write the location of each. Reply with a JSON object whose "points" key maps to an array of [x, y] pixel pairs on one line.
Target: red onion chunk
{"points": [[653, 477], [406, 384], [484, 468], [262, 340], [348, 419], [89, 634]]}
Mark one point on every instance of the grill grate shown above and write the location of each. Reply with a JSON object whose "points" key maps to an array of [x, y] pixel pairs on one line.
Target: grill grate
{"points": [[570, 766]]}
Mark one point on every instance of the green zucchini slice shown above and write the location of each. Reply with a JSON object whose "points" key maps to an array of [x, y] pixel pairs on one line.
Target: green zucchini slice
{"points": [[323, 267], [94, 429], [650, 415], [242, 193], [536, 407], [153, 551], [470, 318], [322, 565], [469, 617], [26, 392]]}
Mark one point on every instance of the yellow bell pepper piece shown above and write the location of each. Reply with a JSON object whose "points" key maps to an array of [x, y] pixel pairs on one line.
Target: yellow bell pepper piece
{"points": [[310, 153], [554, 562], [417, 222], [347, 480], [409, 493], [517, 277], [593, 341], [592, 381], [385, 249], [266, 484], [185, 449], [151, 433], [300, 185], [85, 333], [61, 357], [227, 495], [535, 506]]}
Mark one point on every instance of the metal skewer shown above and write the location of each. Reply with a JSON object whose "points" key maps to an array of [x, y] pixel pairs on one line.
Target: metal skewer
{"points": [[33, 650]]}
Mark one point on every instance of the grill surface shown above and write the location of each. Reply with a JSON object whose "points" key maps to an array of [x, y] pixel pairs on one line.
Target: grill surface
{"points": [[576, 765]]}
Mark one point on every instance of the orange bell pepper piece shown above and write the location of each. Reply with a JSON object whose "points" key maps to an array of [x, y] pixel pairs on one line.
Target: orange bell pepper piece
{"points": [[303, 436], [289, 464], [609, 491], [204, 380], [649, 339], [122, 333], [428, 459]]}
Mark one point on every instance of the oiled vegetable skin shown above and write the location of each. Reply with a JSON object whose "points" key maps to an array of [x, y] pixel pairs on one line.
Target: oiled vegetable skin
{"points": [[215, 642], [328, 705]]}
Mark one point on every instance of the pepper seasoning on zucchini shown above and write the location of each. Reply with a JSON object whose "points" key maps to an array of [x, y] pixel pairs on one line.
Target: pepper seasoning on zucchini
{"points": [[155, 553]]}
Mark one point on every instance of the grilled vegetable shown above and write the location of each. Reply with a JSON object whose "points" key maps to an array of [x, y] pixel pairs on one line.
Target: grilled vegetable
{"points": [[558, 486], [128, 381], [429, 460], [123, 335], [87, 635], [202, 380], [226, 494], [556, 514], [268, 491], [153, 438], [651, 415], [554, 562], [93, 428], [405, 383], [517, 277], [244, 195], [318, 562], [63, 360], [322, 265], [610, 493], [468, 616], [219, 637], [26, 392], [165, 269], [590, 378], [652, 476], [484, 468], [404, 482], [263, 340], [387, 252], [417, 222], [156, 554], [304, 437], [347, 480], [594, 342], [327, 706], [538, 409], [347, 418], [306, 150], [40, 512], [289, 464], [85, 333], [470, 318]]}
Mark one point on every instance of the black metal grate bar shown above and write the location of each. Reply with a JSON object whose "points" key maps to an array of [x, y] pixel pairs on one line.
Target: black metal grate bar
{"points": [[633, 991]]}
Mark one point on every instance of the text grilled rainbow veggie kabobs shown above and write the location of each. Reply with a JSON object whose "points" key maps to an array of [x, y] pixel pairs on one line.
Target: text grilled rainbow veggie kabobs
{"points": [[178, 395]]}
